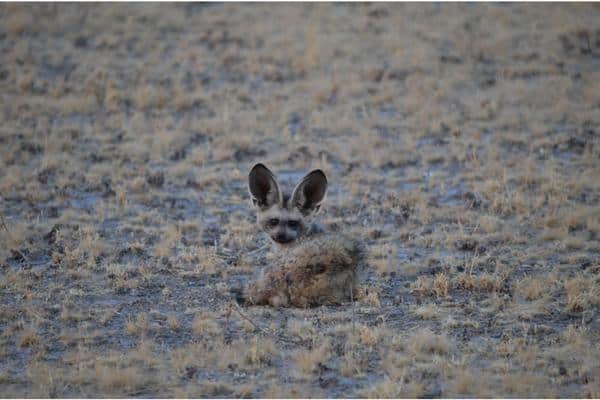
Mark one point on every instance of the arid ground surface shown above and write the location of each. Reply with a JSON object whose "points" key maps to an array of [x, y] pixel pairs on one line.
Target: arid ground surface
{"points": [[461, 144]]}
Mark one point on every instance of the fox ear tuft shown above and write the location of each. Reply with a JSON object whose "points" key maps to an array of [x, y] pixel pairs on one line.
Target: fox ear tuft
{"points": [[263, 187], [309, 193]]}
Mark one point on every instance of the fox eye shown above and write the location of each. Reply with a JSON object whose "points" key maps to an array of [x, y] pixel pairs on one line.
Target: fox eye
{"points": [[294, 224], [273, 222]]}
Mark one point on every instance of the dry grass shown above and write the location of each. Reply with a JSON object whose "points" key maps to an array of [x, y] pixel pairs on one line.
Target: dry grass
{"points": [[428, 311], [112, 379], [582, 293], [460, 143], [204, 324], [307, 361], [425, 342]]}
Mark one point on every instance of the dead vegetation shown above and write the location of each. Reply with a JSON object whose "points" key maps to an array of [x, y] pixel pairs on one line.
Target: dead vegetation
{"points": [[461, 144]]}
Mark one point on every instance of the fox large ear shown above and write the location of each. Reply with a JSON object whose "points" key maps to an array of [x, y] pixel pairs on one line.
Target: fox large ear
{"points": [[309, 193], [263, 187]]}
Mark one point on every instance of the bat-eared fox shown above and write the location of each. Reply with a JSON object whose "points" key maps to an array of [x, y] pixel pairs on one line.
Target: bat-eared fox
{"points": [[313, 267]]}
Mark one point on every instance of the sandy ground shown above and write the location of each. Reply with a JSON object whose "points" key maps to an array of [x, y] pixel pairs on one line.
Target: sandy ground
{"points": [[461, 144]]}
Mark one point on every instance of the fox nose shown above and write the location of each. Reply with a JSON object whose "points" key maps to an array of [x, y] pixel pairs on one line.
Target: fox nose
{"points": [[282, 238]]}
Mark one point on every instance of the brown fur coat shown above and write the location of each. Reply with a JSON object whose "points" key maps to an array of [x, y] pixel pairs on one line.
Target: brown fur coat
{"points": [[318, 271]]}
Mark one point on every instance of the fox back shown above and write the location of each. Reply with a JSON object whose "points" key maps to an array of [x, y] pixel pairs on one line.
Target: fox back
{"points": [[322, 270]]}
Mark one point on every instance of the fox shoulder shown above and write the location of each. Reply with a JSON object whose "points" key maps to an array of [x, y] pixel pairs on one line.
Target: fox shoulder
{"points": [[327, 252]]}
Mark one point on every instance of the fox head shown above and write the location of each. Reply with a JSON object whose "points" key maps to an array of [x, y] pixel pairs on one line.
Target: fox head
{"points": [[285, 217]]}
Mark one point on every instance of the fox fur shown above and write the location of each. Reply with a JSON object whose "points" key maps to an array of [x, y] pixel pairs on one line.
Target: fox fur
{"points": [[319, 271]]}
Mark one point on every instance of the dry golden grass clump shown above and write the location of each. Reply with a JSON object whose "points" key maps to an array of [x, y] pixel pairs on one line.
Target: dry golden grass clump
{"points": [[308, 361], [204, 324], [427, 311], [582, 293]]}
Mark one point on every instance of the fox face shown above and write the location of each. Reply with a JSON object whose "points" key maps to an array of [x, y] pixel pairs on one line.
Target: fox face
{"points": [[285, 217]]}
